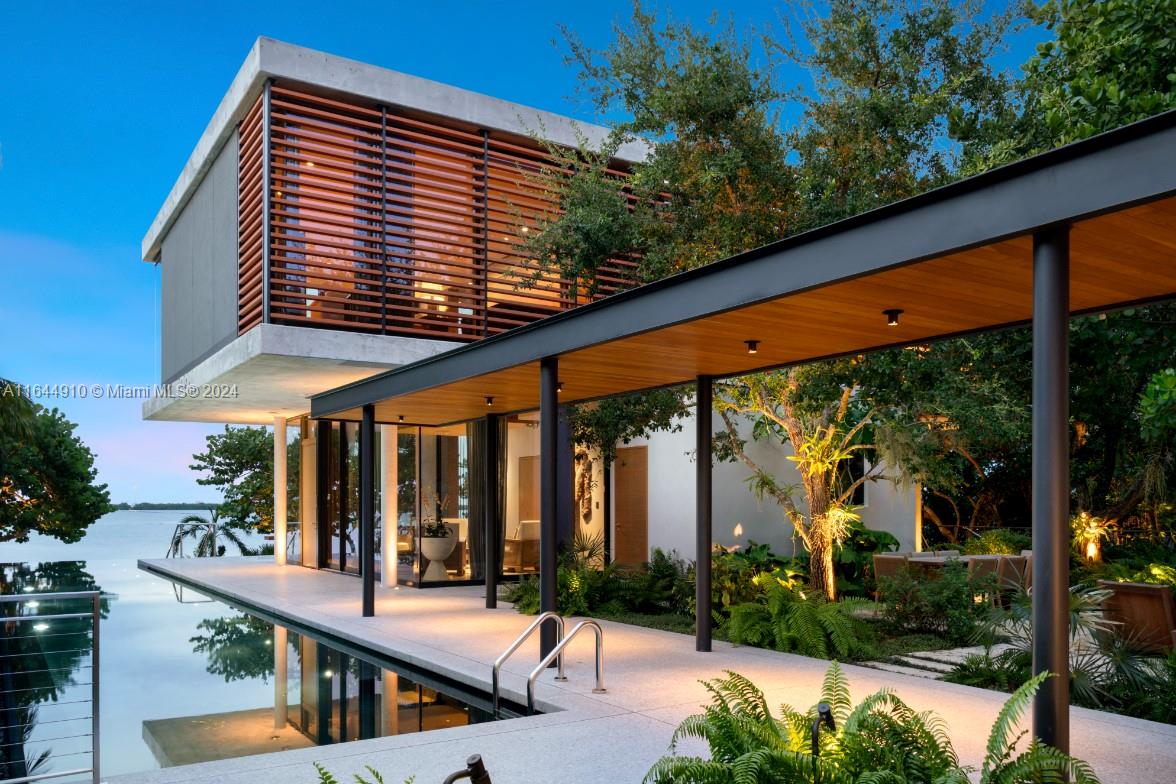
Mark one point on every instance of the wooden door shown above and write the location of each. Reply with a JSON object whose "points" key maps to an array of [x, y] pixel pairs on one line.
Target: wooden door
{"points": [[631, 505]]}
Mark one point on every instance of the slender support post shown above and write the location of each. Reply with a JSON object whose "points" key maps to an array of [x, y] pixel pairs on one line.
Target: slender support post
{"points": [[702, 500], [280, 696], [280, 490], [490, 511], [548, 478], [367, 508], [391, 706], [389, 504], [1051, 484]]}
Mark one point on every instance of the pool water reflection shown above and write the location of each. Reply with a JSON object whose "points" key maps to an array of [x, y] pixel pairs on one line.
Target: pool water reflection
{"points": [[188, 678]]}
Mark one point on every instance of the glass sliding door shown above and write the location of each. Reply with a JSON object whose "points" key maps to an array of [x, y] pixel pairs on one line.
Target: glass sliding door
{"points": [[445, 531], [339, 484]]}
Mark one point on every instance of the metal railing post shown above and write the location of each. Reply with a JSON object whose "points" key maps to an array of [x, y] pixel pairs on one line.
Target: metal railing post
{"points": [[514, 646], [557, 652], [95, 688]]}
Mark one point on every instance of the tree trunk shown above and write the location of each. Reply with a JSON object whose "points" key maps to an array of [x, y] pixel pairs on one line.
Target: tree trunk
{"points": [[821, 576]]}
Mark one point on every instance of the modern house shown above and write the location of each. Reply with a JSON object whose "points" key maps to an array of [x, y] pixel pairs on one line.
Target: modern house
{"points": [[337, 220]]}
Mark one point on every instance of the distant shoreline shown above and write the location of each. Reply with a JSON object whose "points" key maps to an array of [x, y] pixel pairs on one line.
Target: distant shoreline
{"points": [[146, 506]]}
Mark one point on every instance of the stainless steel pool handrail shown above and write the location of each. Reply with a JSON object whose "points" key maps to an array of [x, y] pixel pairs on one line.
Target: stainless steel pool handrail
{"points": [[557, 651], [95, 613], [514, 646]]}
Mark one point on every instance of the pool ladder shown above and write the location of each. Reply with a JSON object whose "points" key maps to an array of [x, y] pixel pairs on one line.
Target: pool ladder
{"points": [[556, 655]]}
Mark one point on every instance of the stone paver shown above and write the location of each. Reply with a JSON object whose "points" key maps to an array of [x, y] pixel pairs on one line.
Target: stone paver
{"points": [[652, 679]]}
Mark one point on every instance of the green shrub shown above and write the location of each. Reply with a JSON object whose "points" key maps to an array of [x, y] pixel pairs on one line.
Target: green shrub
{"points": [[1106, 671], [853, 558], [945, 605], [785, 619], [736, 576], [998, 541], [881, 739]]}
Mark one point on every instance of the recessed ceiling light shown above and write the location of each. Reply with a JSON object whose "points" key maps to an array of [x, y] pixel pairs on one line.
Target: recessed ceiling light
{"points": [[752, 346], [892, 315], [489, 401]]}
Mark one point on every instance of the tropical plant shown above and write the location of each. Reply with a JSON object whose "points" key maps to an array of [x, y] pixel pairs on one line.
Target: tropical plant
{"points": [[325, 776], [823, 439], [736, 576], [881, 739], [1089, 531], [1103, 663], [787, 619], [853, 557], [48, 482], [946, 606], [208, 533], [998, 541]]}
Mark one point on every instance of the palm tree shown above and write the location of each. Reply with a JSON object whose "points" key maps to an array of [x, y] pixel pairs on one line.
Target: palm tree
{"points": [[207, 532]]}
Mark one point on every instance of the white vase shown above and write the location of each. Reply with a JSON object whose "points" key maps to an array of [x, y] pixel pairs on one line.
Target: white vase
{"points": [[436, 549]]}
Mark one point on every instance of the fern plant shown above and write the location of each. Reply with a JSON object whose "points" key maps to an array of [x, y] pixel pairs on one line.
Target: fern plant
{"points": [[788, 620], [325, 777], [881, 740]]}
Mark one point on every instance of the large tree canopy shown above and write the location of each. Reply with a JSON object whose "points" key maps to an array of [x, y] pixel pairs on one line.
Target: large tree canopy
{"points": [[48, 483], [240, 463], [898, 97]]}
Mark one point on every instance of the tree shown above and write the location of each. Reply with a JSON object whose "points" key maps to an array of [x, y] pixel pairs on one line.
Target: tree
{"points": [[896, 87], [48, 483], [240, 463], [237, 646], [723, 176], [1110, 63], [208, 534]]}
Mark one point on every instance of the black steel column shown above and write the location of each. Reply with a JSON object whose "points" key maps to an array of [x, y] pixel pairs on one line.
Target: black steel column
{"points": [[367, 699], [490, 510], [702, 501], [367, 508], [1051, 483], [548, 508], [607, 500]]}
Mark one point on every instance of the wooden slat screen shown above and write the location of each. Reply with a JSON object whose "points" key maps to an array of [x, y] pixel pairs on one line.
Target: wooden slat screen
{"points": [[389, 223], [250, 217]]}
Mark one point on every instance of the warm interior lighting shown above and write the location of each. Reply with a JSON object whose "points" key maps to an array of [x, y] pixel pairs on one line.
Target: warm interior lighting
{"points": [[892, 315], [752, 346]]}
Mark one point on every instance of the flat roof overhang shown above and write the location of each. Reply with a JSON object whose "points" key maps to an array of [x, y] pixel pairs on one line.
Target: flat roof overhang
{"points": [[272, 370], [956, 260]]}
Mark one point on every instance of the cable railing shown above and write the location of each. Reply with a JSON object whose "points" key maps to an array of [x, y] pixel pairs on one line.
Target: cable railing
{"points": [[30, 661]]}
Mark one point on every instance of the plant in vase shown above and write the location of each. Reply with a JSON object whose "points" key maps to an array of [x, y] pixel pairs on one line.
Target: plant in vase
{"points": [[438, 540]]}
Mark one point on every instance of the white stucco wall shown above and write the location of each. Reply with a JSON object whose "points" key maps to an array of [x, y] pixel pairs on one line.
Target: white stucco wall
{"points": [[671, 498]]}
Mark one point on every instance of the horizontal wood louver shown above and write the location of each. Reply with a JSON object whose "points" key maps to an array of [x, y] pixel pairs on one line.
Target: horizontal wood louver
{"points": [[390, 223], [250, 219]]}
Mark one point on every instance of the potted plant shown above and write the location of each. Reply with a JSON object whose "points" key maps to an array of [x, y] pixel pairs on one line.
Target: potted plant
{"points": [[437, 542]]}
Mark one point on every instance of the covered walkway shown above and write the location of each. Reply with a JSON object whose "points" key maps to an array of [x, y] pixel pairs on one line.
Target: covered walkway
{"points": [[1088, 227]]}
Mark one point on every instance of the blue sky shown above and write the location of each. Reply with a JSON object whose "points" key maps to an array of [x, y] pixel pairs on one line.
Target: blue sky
{"points": [[100, 106]]}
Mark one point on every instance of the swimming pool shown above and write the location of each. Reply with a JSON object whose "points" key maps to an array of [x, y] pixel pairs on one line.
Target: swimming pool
{"points": [[189, 678]]}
